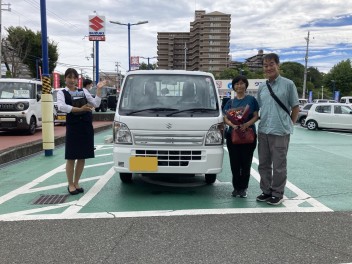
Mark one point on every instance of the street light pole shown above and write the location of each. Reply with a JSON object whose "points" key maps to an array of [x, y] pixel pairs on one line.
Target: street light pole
{"points": [[129, 37], [305, 68]]}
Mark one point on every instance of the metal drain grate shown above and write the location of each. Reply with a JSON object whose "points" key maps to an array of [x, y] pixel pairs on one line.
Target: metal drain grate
{"points": [[51, 199]]}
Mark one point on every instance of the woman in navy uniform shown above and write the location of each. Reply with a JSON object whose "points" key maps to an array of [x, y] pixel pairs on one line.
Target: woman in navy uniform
{"points": [[79, 145]]}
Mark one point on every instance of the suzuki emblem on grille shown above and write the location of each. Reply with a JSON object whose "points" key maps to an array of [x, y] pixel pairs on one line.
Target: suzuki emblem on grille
{"points": [[168, 125]]}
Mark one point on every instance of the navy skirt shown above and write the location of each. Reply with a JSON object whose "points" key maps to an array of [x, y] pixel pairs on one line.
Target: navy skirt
{"points": [[79, 140]]}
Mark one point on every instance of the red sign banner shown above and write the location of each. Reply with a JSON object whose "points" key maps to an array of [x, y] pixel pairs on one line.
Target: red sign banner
{"points": [[80, 81], [56, 80]]}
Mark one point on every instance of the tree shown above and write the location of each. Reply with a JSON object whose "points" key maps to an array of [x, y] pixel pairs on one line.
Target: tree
{"points": [[227, 74], [295, 72], [24, 46], [314, 82], [144, 66], [339, 78]]}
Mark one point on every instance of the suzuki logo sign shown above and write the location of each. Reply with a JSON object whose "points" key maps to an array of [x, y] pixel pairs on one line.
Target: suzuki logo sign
{"points": [[97, 28]]}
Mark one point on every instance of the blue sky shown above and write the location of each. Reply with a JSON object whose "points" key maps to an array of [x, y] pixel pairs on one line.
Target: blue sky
{"points": [[279, 26]]}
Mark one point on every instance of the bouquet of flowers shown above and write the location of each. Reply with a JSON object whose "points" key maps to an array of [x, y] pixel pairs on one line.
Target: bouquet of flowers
{"points": [[237, 116]]}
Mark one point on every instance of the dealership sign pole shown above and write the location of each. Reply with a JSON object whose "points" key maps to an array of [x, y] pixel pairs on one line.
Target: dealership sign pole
{"points": [[96, 34]]}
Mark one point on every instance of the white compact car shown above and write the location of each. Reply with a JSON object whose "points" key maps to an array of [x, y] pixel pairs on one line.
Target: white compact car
{"points": [[329, 116], [20, 104]]}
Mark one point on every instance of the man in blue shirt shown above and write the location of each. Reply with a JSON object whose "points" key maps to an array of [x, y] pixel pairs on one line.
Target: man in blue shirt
{"points": [[274, 130]]}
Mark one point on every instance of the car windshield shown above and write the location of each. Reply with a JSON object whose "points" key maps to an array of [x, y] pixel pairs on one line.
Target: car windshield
{"points": [[17, 90], [168, 93]]}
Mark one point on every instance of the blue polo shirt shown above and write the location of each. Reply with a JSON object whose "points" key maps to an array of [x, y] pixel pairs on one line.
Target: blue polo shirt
{"points": [[273, 119]]}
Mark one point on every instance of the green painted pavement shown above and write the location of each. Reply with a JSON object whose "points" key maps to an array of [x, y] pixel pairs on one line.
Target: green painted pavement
{"points": [[319, 175]]}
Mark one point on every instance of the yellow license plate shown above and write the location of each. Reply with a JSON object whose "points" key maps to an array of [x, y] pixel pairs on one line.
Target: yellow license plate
{"points": [[61, 117], [143, 164]]}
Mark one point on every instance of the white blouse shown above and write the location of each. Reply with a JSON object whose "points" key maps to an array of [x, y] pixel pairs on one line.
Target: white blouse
{"points": [[62, 106]]}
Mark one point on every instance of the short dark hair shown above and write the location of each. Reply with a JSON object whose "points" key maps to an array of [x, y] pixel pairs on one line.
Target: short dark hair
{"points": [[87, 82], [71, 71], [272, 56], [239, 78]]}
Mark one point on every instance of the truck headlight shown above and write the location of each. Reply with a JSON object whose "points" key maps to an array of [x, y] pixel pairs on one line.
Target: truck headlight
{"points": [[21, 106], [215, 135], [121, 133]]}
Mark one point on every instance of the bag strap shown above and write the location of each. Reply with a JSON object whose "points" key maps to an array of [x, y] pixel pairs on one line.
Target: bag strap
{"points": [[276, 98]]}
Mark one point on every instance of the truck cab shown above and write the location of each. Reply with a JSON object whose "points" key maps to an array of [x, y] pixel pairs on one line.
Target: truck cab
{"points": [[20, 104], [168, 122]]}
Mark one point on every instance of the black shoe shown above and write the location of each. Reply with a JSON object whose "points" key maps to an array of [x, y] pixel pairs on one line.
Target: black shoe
{"points": [[235, 193], [275, 200], [243, 193], [72, 192], [80, 190], [263, 197]]}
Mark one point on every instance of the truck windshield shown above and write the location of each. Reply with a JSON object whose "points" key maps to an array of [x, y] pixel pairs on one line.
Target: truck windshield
{"points": [[17, 90], [168, 93]]}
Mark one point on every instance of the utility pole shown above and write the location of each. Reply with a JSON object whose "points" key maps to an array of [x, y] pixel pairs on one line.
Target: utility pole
{"points": [[305, 68], [185, 56], [8, 9], [117, 76]]}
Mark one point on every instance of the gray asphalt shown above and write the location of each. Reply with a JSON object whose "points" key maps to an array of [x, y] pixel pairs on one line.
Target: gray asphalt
{"points": [[241, 238]]}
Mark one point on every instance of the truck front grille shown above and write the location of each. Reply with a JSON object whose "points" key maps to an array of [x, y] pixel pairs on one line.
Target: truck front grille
{"points": [[169, 140]]}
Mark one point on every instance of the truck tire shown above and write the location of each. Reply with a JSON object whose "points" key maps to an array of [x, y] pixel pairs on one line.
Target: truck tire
{"points": [[210, 178], [126, 177]]}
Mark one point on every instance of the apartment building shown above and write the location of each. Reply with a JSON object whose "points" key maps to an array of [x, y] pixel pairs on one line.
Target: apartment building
{"points": [[205, 48]]}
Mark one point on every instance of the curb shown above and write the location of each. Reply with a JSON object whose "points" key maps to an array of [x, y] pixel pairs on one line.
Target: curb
{"points": [[35, 147]]}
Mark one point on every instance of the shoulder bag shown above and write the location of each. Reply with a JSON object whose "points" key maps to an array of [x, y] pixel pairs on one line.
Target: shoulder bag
{"points": [[242, 137], [276, 98]]}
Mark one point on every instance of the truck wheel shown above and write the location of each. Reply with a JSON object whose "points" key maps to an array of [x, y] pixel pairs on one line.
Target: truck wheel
{"points": [[126, 177], [104, 107], [210, 178], [32, 126]]}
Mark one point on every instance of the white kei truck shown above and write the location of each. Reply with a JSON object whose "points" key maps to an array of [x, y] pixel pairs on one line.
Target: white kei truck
{"points": [[20, 104], [168, 122]]}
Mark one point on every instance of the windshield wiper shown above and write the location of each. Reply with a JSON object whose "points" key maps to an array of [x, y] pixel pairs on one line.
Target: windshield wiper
{"points": [[152, 109], [199, 109]]}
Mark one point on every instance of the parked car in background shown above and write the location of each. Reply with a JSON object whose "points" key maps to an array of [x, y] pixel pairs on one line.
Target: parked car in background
{"points": [[108, 98], [302, 114], [59, 117], [302, 102], [324, 101], [20, 105], [329, 116], [346, 100]]}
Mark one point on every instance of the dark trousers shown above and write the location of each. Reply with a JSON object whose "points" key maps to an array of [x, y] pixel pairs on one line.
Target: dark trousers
{"points": [[241, 161]]}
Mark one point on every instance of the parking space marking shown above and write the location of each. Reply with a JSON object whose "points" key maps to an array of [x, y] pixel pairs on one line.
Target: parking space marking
{"points": [[73, 207]]}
